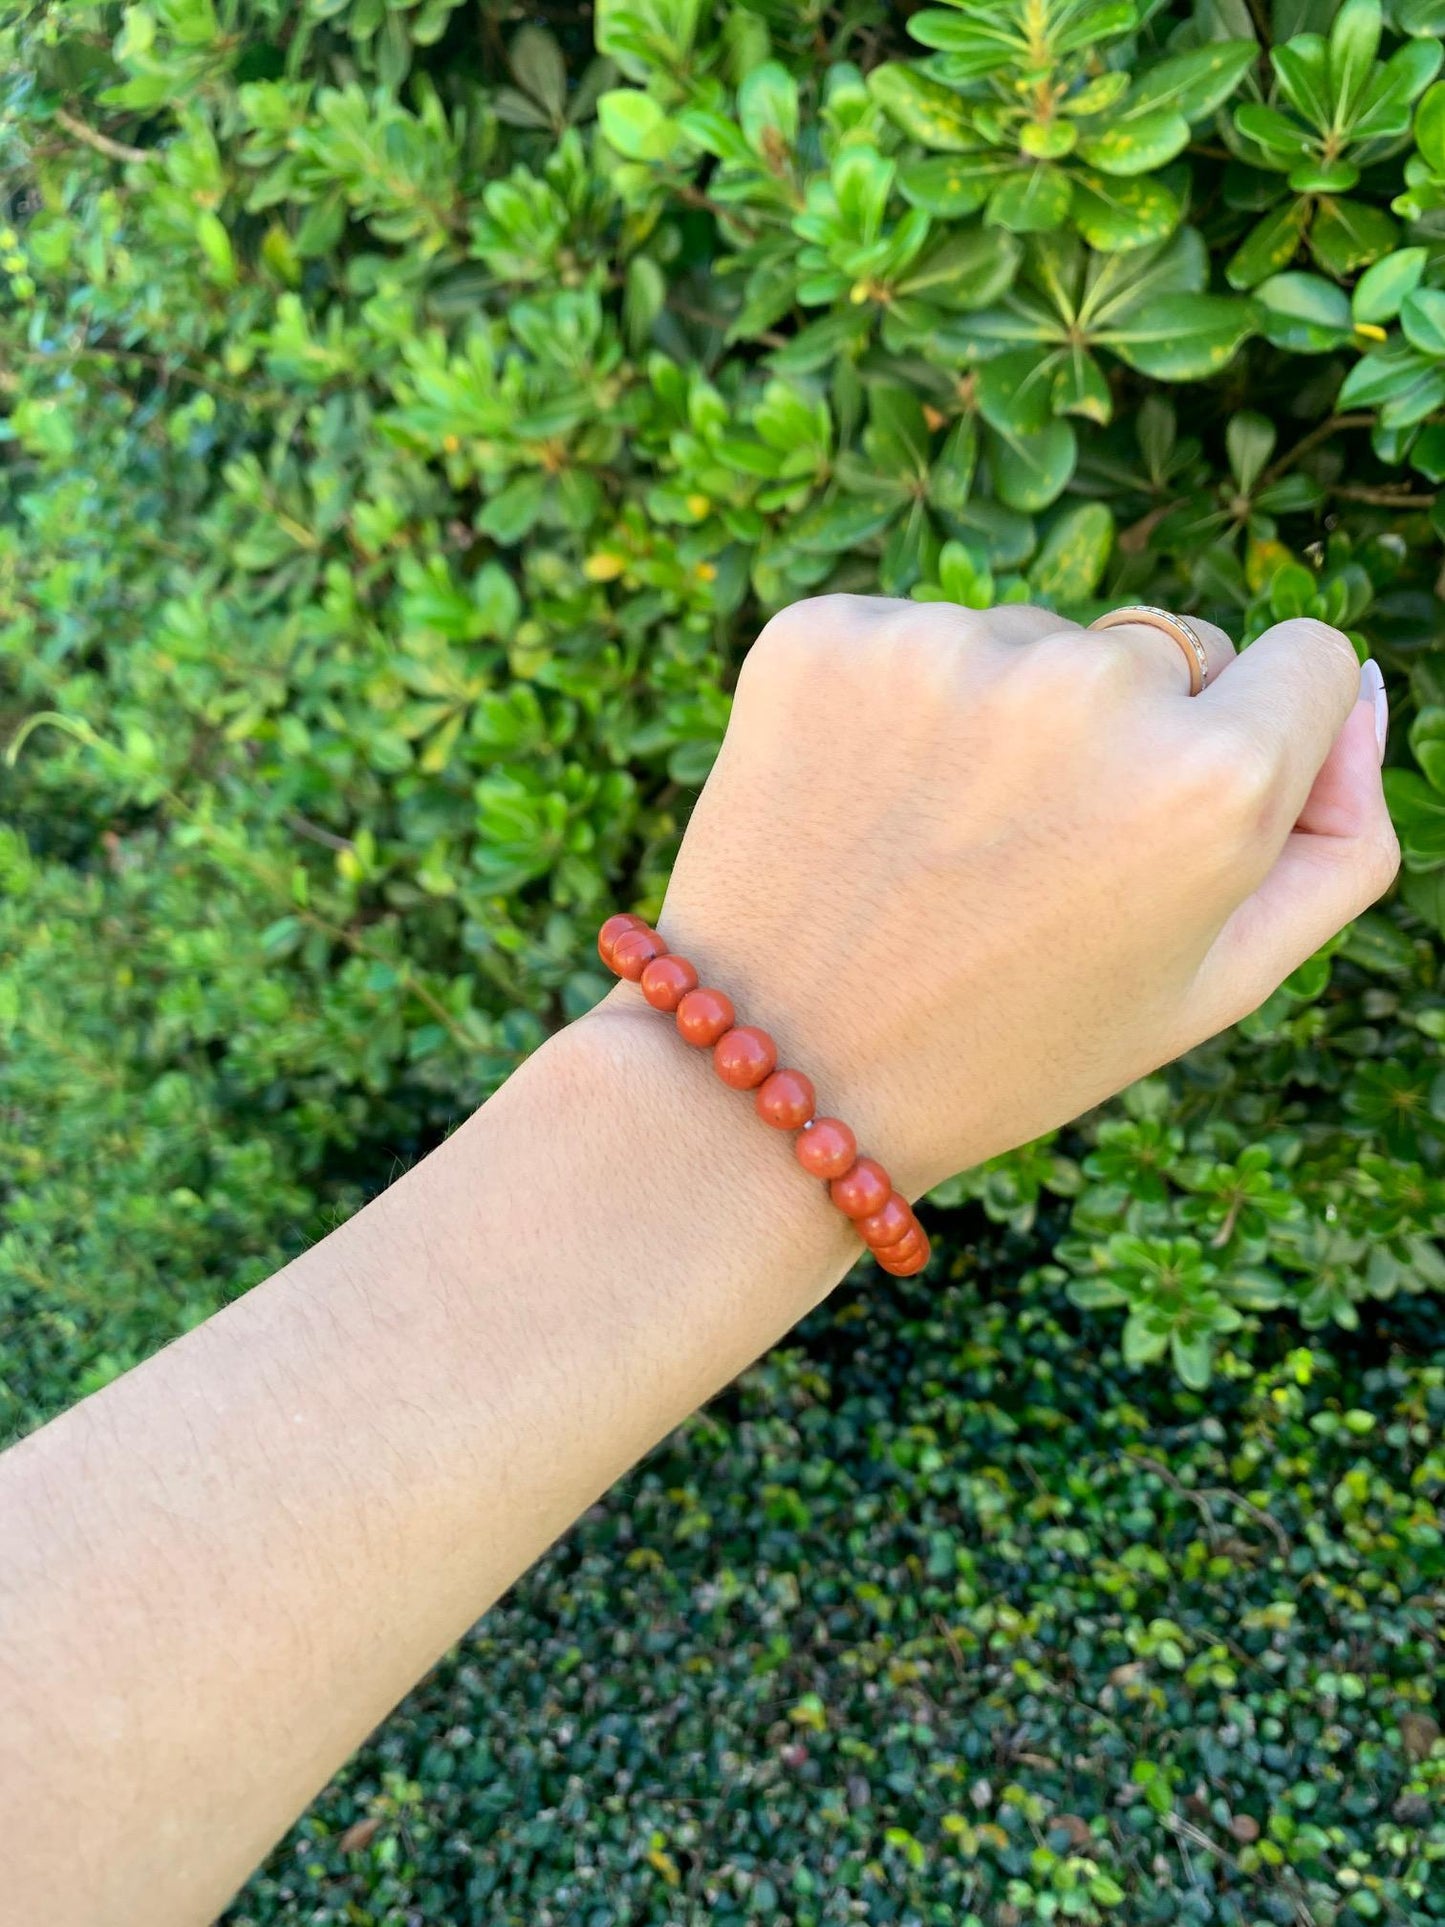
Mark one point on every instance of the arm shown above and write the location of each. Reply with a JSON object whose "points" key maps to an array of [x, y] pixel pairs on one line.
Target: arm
{"points": [[974, 874]]}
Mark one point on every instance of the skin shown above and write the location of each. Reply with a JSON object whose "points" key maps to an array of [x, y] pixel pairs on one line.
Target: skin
{"points": [[975, 872]]}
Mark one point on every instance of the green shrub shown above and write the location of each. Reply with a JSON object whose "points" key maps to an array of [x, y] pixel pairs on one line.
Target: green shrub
{"points": [[410, 413], [410, 418]]}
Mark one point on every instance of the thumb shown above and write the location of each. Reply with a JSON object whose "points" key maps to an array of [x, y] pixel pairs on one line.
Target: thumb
{"points": [[1341, 855]]}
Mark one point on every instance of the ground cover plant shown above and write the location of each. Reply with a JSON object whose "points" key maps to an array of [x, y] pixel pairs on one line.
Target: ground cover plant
{"points": [[410, 413]]}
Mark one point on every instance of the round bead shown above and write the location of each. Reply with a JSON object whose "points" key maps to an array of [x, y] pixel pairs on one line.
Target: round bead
{"points": [[743, 1057], [905, 1258], [666, 981], [634, 950], [862, 1190], [785, 1100], [703, 1016], [614, 928], [886, 1226], [827, 1148]]}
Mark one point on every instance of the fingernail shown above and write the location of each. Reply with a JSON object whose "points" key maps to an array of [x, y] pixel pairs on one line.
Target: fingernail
{"points": [[1372, 688]]}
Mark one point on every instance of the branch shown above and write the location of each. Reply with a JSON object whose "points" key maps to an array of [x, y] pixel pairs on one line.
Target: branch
{"points": [[1321, 432], [1387, 497], [102, 143]]}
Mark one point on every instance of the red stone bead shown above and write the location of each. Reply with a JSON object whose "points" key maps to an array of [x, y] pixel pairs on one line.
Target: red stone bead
{"points": [[634, 950], [703, 1016], [905, 1258], [827, 1147], [666, 981], [614, 928], [743, 1057], [885, 1227], [862, 1190], [785, 1100]]}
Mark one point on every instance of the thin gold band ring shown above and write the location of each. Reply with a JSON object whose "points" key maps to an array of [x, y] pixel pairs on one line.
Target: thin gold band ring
{"points": [[1190, 642]]}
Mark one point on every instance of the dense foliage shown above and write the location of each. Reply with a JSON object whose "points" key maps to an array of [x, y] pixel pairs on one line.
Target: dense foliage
{"points": [[410, 414]]}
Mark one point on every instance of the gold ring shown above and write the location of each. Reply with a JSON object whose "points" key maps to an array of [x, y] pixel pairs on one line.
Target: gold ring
{"points": [[1182, 632]]}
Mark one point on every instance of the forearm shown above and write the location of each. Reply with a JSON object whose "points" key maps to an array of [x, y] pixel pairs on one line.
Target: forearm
{"points": [[225, 1568]]}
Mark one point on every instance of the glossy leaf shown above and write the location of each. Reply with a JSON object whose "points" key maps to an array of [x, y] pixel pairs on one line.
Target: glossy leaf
{"points": [[1031, 200], [1381, 288], [1032, 471], [1304, 313], [927, 112], [1347, 235], [1195, 83], [1074, 555], [1269, 246], [1182, 337], [1115, 215], [1137, 144]]}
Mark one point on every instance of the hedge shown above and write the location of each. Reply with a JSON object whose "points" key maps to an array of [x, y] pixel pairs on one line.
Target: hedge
{"points": [[409, 416]]}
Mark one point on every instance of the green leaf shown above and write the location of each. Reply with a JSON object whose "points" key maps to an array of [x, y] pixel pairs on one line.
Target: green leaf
{"points": [[1348, 235], [1270, 246], [1181, 337], [928, 113], [949, 187], [969, 268], [1430, 127], [1249, 442], [1384, 113], [1031, 200], [1195, 83], [1193, 1358], [633, 123], [1142, 1341], [1354, 41], [1031, 471], [981, 49], [1381, 288], [768, 109], [1136, 145], [1015, 392], [1280, 140], [1080, 387], [1301, 66], [539, 69], [897, 438], [1304, 313], [835, 527], [1115, 215], [1422, 319], [1071, 563], [1418, 812]]}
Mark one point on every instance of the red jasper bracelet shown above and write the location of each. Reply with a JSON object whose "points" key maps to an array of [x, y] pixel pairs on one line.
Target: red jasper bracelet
{"points": [[747, 1059]]}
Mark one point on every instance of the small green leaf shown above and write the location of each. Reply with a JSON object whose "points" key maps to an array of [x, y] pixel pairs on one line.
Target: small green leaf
{"points": [[1301, 67], [1031, 471], [1015, 392], [1031, 200], [1182, 337], [1422, 319], [1270, 246], [1304, 313], [1249, 442], [633, 123], [928, 113], [1354, 41], [1195, 83], [1280, 140], [1137, 145], [1430, 127], [1348, 235], [1381, 288], [768, 109], [949, 187], [1071, 563], [1115, 215]]}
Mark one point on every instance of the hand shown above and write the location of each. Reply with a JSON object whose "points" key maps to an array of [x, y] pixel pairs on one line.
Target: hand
{"points": [[977, 871]]}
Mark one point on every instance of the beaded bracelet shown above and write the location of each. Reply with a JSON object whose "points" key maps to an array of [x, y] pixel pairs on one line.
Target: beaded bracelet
{"points": [[747, 1059]]}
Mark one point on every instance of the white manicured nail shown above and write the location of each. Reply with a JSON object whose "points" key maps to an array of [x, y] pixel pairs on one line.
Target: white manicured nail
{"points": [[1372, 686]]}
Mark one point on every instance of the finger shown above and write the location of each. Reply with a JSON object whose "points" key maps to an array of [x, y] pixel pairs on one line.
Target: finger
{"points": [[1285, 700], [1163, 660], [1340, 857]]}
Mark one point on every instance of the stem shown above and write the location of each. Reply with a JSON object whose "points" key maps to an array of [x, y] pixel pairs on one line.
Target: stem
{"points": [[102, 143], [1321, 432]]}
